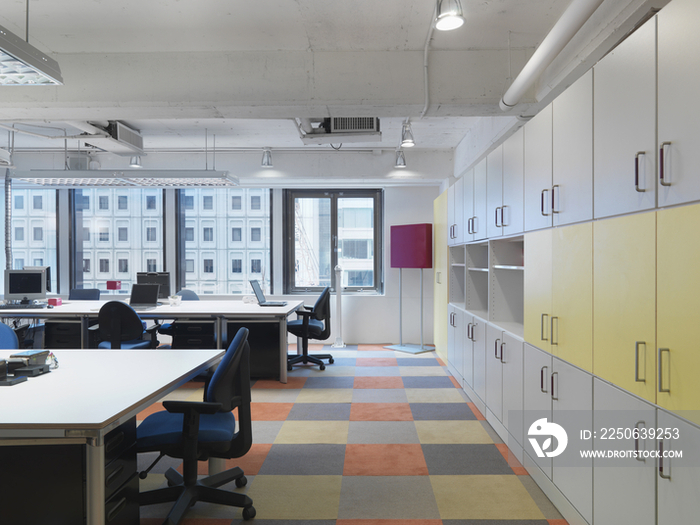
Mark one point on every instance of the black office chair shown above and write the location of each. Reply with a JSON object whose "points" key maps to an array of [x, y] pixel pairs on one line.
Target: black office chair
{"points": [[121, 327], [84, 294], [196, 431], [187, 295], [314, 324]]}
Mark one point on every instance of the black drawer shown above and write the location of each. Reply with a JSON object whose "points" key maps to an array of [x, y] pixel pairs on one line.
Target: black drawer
{"points": [[119, 471], [182, 341], [120, 440], [194, 328], [123, 507], [62, 328]]}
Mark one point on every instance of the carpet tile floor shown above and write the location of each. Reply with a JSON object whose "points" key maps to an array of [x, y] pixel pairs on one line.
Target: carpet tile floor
{"points": [[378, 438]]}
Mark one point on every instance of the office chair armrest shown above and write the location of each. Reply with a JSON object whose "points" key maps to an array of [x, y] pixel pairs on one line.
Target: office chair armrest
{"points": [[305, 313], [184, 407]]}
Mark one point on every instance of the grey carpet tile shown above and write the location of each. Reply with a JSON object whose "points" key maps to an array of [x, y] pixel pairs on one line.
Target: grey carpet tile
{"points": [[379, 395], [382, 432], [329, 382], [296, 460], [465, 460], [441, 411], [427, 382], [319, 412], [417, 361]]}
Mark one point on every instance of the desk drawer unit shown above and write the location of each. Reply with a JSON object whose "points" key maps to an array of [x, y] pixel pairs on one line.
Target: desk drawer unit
{"points": [[121, 481], [194, 334], [65, 333]]}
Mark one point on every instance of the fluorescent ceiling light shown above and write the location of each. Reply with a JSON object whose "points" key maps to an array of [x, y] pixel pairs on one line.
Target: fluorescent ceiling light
{"points": [[21, 64], [116, 178], [449, 15]]}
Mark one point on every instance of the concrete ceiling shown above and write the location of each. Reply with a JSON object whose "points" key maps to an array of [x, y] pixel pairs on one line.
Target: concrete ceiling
{"points": [[234, 73]]}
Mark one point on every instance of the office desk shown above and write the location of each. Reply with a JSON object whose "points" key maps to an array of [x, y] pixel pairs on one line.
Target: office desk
{"points": [[223, 312], [73, 409]]}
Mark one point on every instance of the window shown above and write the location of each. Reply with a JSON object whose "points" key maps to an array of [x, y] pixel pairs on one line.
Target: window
{"points": [[208, 265], [151, 265], [104, 265], [86, 265], [189, 234], [103, 202], [189, 202], [150, 202], [123, 234], [19, 202], [38, 201], [86, 233], [151, 234], [255, 202], [123, 265], [255, 235], [236, 235], [189, 265], [208, 202], [104, 235], [123, 202], [237, 266], [313, 220], [236, 202], [38, 234], [208, 234], [255, 266], [19, 264], [85, 202], [19, 233], [38, 262]]}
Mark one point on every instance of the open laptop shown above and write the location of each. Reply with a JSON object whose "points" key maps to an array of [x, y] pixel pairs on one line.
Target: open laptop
{"points": [[261, 296], [144, 296]]}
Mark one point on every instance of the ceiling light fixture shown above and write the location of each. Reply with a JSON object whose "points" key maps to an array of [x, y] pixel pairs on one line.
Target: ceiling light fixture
{"points": [[125, 178], [407, 135], [135, 162], [400, 160], [5, 159], [449, 15], [21, 64], [266, 159]]}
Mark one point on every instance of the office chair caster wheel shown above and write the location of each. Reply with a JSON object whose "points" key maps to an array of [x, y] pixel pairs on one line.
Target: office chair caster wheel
{"points": [[322, 367], [241, 482], [330, 361], [289, 368], [249, 513]]}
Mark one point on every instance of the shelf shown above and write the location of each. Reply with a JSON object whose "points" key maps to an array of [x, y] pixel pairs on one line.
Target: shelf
{"points": [[508, 267], [478, 269], [458, 265]]}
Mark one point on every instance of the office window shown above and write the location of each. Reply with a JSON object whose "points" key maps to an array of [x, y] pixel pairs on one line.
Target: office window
{"points": [[255, 202], [19, 264], [38, 234], [38, 201], [19, 233], [123, 265], [150, 202], [86, 265], [19, 202], [151, 265], [314, 218], [208, 234], [237, 266], [255, 235], [228, 229], [38, 262], [189, 234], [123, 234], [208, 202], [189, 202], [123, 202], [208, 265], [86, 234], [104, 265], [104, 235], [151, 234], [85, 202], [255, 266], [189, 265], [103, 202]]}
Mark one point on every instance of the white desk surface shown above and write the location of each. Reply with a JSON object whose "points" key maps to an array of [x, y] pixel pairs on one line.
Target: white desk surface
{"points": [[95, 390], [215, 308]]}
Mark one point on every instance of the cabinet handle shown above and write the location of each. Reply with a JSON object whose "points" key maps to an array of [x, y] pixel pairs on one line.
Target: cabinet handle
{"points": [[661, 461], [503, 346], [636, 441], [475, 224], [503, 214], [637, 344], [542, 325], [542, 200], [469, 331], [496, 218], [555, 194], [553, 342], [495, 349], [469, 225], [662, 164], [555, 398], [473, 331], [543, 387], [636, 171], [661, 370]]}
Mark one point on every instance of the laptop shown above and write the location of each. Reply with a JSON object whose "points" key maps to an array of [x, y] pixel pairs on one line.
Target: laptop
{"points": [[261, 296], [144, 296]]}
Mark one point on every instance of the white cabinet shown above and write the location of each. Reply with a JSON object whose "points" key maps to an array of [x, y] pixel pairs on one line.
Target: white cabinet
{"points": [[537, 171], [455, 213], [479, 355], [678, 115], [512, 211], [624, 131], [537, 399], [455, 340], [572, 153], [479, 219], [494, 371], [473, 341], [494, 193], [625, 488]]}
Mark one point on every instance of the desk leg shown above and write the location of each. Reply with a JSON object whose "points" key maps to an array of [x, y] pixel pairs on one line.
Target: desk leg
{"points": [[95, 485], [84, 333], [283, 350]]}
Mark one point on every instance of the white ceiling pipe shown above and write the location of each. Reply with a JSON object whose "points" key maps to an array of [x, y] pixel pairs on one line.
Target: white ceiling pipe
{"points": [[578, 12]]}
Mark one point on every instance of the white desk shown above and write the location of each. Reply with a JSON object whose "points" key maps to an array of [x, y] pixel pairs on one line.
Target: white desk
{"points": [[220, 310], [90, 394]]}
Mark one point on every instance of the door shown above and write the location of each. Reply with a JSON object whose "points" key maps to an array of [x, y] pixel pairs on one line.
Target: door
{"points": [[459, 233], [512, 360], [468, 350], [537, 171], [479, 357], [512, 216], [624, 302], [494, 193], [537, 400], [537, 286], [494, 370], [480, 210], [572, 153], [624, 170], [468, 206]]}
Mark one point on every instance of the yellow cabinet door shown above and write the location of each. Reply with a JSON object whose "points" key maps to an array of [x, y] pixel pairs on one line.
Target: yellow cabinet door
{"points": [[678, 310], [538, 288], [624, 303], [571, 324]]}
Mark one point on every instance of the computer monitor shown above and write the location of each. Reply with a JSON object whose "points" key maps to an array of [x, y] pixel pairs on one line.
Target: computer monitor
{"points": [[48, 274], [161, 278], [21, 285]]}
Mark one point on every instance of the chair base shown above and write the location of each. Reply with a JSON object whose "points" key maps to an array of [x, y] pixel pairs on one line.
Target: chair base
{"points": [[305, 359], [202, 490]]}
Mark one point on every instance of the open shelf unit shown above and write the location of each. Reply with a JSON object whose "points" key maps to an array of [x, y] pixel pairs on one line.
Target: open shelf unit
{"points": [[457, 276], [507, 284]]}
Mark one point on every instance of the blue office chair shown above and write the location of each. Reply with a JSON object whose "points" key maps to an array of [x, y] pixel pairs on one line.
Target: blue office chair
{"points": [[187, 295], [314, 324], [8, 338], [196, 431], [84, 294], [121, 327]]}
